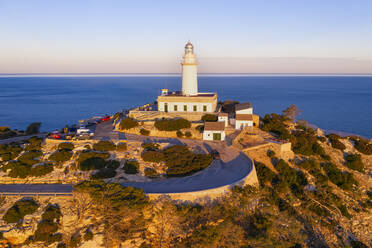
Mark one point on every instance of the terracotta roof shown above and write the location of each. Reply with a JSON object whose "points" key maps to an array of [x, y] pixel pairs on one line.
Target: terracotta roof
{"points": [[223, 114], [214, 126], [242, 106], [244, 117]]}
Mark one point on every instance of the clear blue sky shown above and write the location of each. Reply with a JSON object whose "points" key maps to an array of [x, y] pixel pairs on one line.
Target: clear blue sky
{"points": [[317, 36]]}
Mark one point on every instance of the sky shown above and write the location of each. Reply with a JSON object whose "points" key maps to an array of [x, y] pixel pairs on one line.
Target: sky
{"points": [[231, 36]]}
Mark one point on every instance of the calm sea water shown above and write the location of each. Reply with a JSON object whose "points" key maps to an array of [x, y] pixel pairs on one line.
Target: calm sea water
{"points": [[341, 103]]}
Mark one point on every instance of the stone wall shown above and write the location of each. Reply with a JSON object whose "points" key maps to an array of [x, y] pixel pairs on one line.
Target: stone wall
{"points": [[152, 115]]}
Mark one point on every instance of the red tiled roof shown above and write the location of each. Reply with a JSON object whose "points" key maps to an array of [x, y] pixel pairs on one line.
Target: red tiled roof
{"points": [[214, 126], [244, 117]]}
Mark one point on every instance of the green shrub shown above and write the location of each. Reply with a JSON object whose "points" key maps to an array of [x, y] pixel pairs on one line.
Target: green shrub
{"points": [[326, 157], [291, 175], [321, 138], [131, 167], [66, 146], [144, 132], [270, 153], [335, 142], [172, 124], [34, 144], [21, 170], [200, 128], [362, 145], [61, 156], [179, 134], [75, 241], [149, 146], [121, 147], [209, 117], [104, 146], [369, 194], [150, 172], [264, 174], [188, 134], [7, 134], [61, 245], [104, 173], [318, 149], [33, 128], [357, 244], [93, 163], [41, 170], [305, 142], [29, 158], [113, 164], [354, 162], [19, 210], [344, 180], [152, 156], [92, 154], [88, 235], [128, 123], [275, 123], [180, 161], [9, 152]]}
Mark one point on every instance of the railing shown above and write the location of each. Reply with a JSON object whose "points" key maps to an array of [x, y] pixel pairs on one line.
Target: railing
{"points": [[49, 181], [37, 194]]}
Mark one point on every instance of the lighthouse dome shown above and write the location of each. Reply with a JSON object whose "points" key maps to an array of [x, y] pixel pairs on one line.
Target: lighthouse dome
{"points": [[189, 45]]}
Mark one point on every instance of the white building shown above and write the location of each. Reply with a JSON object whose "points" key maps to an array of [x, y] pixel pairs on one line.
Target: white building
{"points": [[189, 99], [243, 115], [214, 130], [224, 117]]}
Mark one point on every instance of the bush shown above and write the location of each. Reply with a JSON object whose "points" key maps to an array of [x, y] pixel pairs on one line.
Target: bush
{"points": [[344, 180], [209, 117], [75, 241], [144, 132], [9, 152], [354, 162], [291, 175], [179, 134], [19, 210], [172, 124], [188, 134], [275, 123], [6, 134], [264, 174], [128, 123], [61, 156], [29, 158], [33, 128], [150, 146], [21, 170], [34, 144], [41, 170], [318, 149], [104, 173], [66, 146], [92, 154], [93, 163], [150, 172], [335, 142], [121, 147], [200, 128], [104, 146], [131, 167], [153, 156], [362, 145], [321, 138], [180, 161], [88, 235], [270, 153]]}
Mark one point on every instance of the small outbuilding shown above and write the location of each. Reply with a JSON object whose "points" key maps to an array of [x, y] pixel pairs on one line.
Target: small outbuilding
{"points": [[243, 120], [244, 108], [224, 117], [214, 130]]}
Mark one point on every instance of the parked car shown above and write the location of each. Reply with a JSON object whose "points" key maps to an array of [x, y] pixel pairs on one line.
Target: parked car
{"points": [[55, 135], [105, 118], [215, 154], [83, 133]]}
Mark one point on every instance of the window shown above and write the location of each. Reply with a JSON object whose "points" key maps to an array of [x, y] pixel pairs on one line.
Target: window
{"points": [[185, 108], [175, 107], [165, 107], [205, 108], [195, 108]]}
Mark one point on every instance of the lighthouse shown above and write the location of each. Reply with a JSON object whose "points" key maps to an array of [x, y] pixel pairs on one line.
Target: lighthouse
{"points": [[189, 72]]}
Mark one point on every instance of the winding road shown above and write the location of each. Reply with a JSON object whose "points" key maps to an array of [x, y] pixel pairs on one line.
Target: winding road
{"points": [[232, 167]]}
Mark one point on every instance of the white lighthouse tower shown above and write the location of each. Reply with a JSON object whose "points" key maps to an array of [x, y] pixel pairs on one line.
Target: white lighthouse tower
{"points": [[189, 72]]}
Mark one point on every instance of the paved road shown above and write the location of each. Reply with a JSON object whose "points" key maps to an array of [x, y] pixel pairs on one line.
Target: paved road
{"points": [[29, 189], [232, 167]]}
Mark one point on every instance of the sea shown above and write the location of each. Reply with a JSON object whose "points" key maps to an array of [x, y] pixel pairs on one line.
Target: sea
{"points": [[331, 102]]}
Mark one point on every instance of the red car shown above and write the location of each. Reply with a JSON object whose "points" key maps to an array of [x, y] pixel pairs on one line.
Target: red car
{"points": [[55, 135], [106, 118]]}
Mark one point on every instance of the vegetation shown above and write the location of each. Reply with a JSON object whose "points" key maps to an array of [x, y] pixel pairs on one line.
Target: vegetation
{"points": [[150, 146], [188, 134], [153, 156], [305, 142], [264, 174], [33, 128], [291, 112], [172, 124], [19, 210], [121, 147], [144, 132], [362, 145], [270, 153], [75, 240], [344, 180], [200, 128], [150, 172], [30, 158], [34, 144], [128, 123], [104, 146], [9, 152], [275, 123], [21, 170], [108, 171], [6, 133], [334, 139], [88, 235], [209, 117], [48, 226], [66, 146], [131, 167], [61, 156], [86, 154], [228, 106], [179, 134], [354, 162]]}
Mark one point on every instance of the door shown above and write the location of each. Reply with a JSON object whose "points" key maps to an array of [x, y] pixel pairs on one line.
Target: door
{"points": [[166, 107], [216, 136]]}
